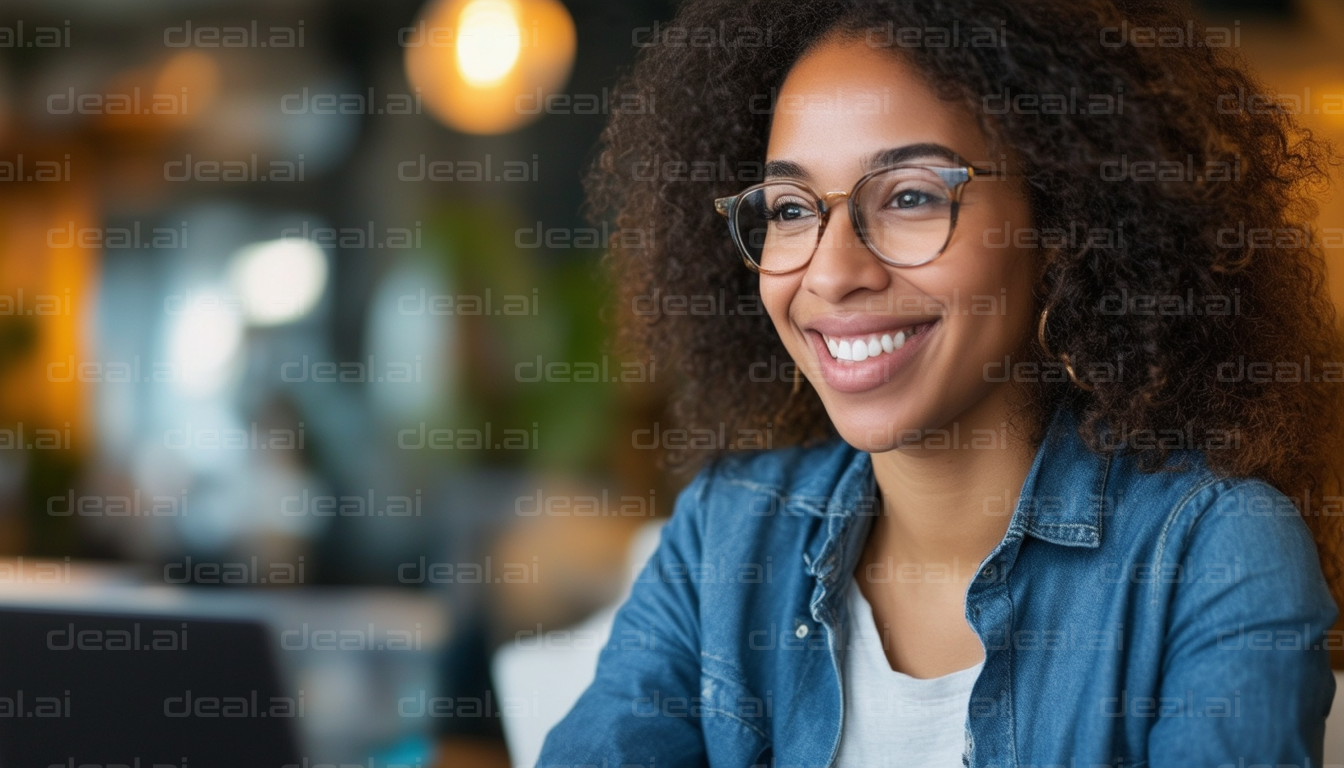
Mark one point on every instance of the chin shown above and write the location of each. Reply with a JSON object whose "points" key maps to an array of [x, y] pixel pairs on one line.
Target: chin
{"points": [[878, 432]]}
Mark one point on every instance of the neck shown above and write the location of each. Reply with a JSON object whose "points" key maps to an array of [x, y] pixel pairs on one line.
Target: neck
{"points": [[949, 498]]}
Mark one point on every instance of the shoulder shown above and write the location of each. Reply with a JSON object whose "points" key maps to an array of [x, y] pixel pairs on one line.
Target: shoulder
{"points": [[735, 496], [797, 471], [1226, 538], [1249, 522], [1193, 502], [799, 479]]}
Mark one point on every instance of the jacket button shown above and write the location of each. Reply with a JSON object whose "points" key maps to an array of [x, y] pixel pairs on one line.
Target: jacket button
{"points": [[801, 631], [987, 572]]}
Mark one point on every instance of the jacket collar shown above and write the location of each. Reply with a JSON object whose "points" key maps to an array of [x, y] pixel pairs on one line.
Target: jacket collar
{"points": [[1064, 497], [1063, 500]]}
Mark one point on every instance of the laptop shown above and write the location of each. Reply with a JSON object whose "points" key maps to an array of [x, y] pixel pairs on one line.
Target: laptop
{"points": [[141, 691]]}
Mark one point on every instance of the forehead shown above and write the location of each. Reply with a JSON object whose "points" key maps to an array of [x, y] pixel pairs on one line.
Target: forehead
{"points": [[845, 101]]}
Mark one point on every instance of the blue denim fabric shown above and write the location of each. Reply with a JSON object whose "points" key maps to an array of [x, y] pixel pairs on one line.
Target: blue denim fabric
{"points": [[1128, 618]]}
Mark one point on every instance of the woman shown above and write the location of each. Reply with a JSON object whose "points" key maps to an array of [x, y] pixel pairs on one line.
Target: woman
{"points": [[1047, 430]]}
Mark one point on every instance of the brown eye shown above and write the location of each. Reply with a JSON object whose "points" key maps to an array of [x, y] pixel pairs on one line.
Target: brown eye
{"points": [[788, 211], [914, 198], [910, 199]]}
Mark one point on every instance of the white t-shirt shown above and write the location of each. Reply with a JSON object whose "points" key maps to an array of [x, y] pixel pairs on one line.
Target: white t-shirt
{"points": [[891, 719]]}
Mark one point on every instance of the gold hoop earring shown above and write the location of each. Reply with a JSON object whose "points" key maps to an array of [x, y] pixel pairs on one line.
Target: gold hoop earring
{"points": [[1063, 356], [1040, 332]]}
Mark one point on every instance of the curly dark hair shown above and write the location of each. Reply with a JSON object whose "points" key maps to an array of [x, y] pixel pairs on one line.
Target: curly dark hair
{"points": [[1182, 234]]}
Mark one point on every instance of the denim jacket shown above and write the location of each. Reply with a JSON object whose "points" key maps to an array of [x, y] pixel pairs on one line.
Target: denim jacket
{"points": [[1175, 618]]}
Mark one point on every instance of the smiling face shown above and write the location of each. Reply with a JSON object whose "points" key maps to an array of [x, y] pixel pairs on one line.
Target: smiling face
{"points": [[895, 351]]}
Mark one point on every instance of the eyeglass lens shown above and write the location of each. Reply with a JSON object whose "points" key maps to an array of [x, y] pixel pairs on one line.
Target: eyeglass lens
{"points": [[904, 215]]}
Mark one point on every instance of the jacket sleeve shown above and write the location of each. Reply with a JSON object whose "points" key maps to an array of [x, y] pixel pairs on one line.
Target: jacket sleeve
{"points": [[641, 707], [1246, 676]]}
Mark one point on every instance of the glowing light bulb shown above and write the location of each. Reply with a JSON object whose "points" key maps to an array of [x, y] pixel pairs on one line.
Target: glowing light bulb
{"points": [[482, 66], [489, 40]]}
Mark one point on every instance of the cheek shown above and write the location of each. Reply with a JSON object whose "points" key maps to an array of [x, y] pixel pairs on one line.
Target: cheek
{"points": [[987, 297], [996, 302], [777, 292]]}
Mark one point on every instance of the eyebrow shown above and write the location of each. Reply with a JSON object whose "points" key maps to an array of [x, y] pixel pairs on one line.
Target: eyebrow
{"points": [[879, 159]]}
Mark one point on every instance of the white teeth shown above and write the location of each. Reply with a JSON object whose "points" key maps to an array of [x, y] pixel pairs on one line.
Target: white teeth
{"points": [[858, 350]]}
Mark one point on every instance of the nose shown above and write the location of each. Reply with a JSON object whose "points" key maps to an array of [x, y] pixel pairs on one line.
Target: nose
{"points": [[842, 263]]}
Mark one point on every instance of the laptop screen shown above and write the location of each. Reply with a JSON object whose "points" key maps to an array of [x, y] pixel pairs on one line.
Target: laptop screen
{"points": [[79, 689]]}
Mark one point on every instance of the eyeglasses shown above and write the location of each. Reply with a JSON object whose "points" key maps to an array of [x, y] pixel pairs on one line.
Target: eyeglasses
{"points": [[903, 213]]}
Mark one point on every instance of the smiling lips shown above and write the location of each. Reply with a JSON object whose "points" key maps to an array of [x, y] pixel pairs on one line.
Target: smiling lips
{"points": [[859, 348]]}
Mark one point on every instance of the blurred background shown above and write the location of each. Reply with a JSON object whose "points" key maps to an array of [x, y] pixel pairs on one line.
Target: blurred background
{"points": [[300, 319]]}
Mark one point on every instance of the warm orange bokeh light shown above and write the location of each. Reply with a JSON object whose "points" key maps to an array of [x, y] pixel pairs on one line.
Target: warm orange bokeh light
{"points": [[166, 97], [482, 66], [193, 74]]}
